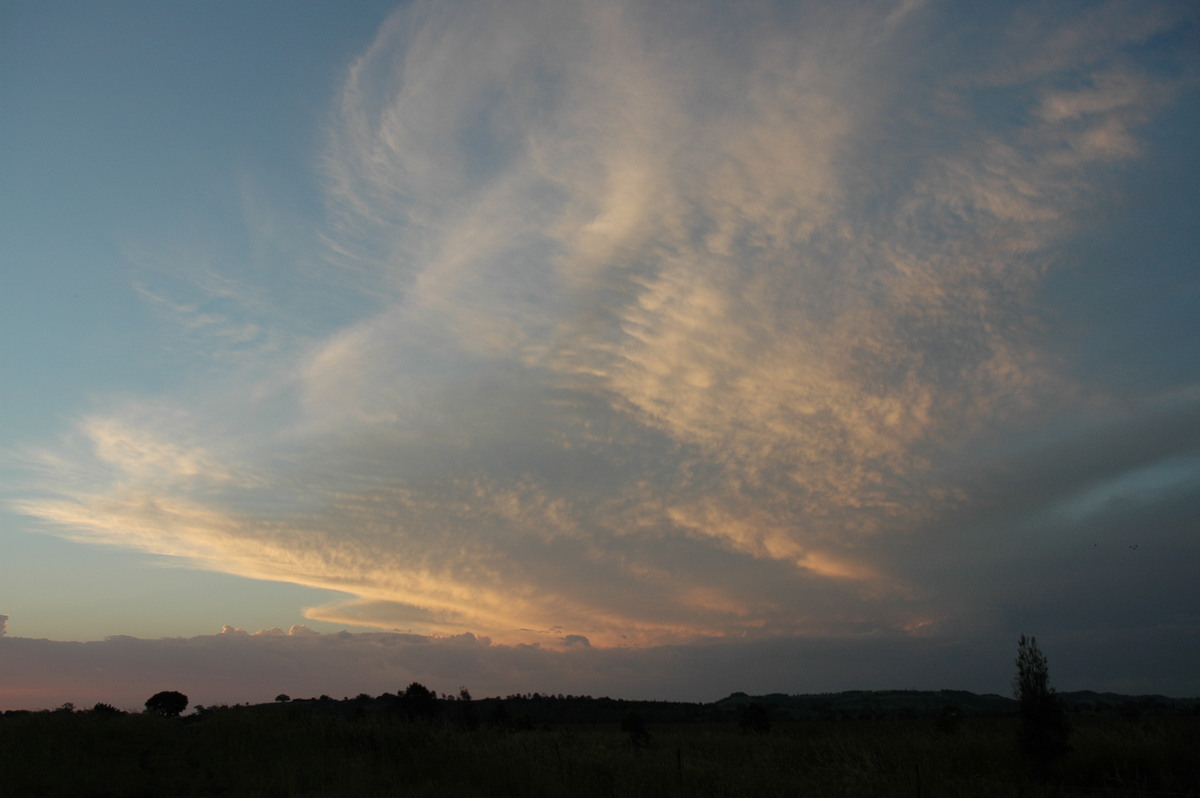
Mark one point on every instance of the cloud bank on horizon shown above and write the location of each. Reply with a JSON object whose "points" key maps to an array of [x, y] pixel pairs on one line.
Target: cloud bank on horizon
{"points": [[235, 666], [667, 321]]}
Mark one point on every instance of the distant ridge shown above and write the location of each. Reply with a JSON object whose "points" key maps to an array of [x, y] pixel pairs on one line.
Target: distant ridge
{"points": [[877, 704], [874, 704]]}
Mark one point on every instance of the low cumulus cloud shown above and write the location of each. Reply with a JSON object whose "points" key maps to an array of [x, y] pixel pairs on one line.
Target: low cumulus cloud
{"points": [[295, 630], [235, 668], [672, 327]]}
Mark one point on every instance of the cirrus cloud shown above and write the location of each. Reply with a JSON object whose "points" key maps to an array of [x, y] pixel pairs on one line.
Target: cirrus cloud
{"points": [[669, 328]]}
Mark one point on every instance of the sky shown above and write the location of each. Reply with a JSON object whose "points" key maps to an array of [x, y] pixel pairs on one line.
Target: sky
{"points": [[628, 348]]}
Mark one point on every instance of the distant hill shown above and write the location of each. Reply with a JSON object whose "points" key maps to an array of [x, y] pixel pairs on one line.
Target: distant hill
{"points": [[879, 704], [1088, 701], [874, 704]]}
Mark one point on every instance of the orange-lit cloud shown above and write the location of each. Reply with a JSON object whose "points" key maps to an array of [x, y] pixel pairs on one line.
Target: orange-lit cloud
{"points": [[667, 330]]}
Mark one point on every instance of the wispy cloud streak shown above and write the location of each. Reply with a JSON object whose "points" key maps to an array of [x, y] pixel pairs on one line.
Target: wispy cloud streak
{"points": [[670, 327]]}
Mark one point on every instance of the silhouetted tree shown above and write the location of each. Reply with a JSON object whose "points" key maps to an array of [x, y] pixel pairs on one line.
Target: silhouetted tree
{"points": [[283, 698], [1044, 730], [168, 703], [106, 709], [419, 702], [755, 718], [500, 716], [466, 709]]}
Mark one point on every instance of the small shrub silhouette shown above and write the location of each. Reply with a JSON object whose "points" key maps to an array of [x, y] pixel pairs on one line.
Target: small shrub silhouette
{"points": [[499, 716], [465, 714], [633, 725], [755, 718], [949, 719]]}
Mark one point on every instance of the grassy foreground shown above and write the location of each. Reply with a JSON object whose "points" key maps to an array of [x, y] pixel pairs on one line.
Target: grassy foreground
{"points": [[288, 750]]}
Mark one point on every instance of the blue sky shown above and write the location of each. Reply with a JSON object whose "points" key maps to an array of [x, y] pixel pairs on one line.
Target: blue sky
{"points": [[655, 336], [145, 132]]}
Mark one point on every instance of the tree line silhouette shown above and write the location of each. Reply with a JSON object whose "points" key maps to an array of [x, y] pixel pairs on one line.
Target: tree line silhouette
{"points": [[1042, 710], [892, 742]]}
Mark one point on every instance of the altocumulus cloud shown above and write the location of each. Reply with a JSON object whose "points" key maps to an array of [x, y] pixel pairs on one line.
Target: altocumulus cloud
{"points": [[683, 321]]}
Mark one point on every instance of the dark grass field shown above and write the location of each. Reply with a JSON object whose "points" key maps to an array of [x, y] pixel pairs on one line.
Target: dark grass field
{"points": [[291, 750]]}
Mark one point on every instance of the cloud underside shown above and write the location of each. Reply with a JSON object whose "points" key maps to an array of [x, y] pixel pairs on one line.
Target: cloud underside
{"points": [[669, 327]]}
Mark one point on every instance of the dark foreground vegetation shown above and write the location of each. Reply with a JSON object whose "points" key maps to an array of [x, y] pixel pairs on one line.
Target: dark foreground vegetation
{"points": [[415, 744]]}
